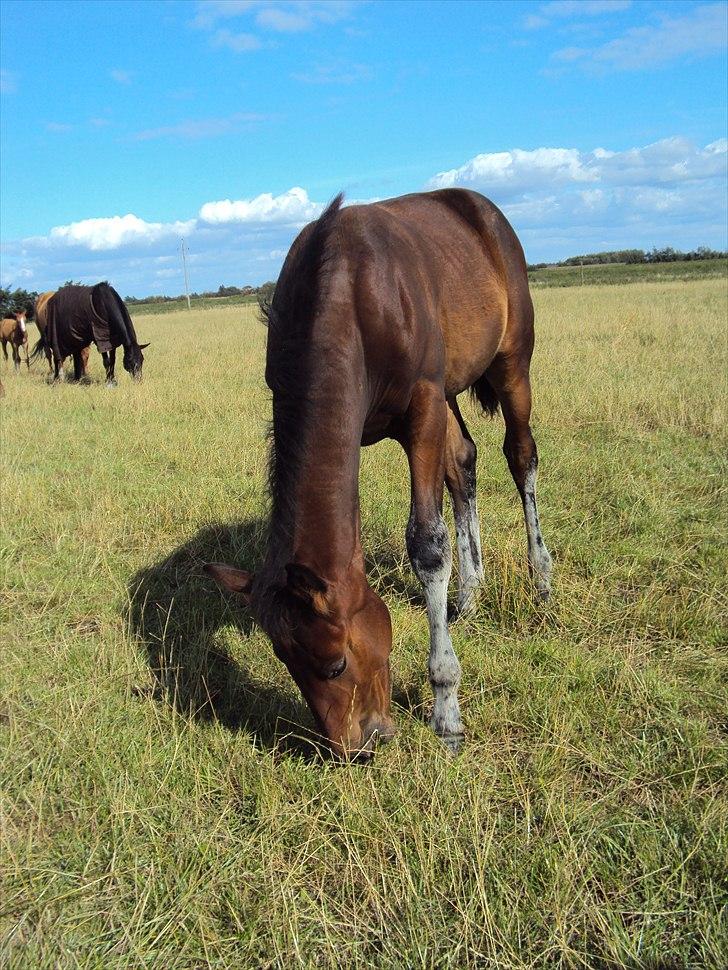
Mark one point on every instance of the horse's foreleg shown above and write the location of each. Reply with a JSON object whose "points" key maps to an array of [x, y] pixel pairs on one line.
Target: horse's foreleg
{"points": [[514, 394], [109, 359], [460, 455], [428, 545], [16, 358], [5, 349]]}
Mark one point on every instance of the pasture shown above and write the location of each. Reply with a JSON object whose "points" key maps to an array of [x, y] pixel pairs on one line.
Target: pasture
{"points": [[161, 804]]}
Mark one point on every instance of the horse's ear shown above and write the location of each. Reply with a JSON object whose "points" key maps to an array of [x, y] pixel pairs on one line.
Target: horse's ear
{"points": [[307, 586], [144, 346], [235, 580]]}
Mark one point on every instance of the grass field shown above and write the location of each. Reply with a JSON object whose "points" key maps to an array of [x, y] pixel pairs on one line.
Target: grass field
{"points": [[181, 819], [618, 273], [606, 274], [197, 303]]}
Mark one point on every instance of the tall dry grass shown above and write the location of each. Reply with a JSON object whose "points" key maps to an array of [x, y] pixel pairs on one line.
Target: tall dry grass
{"points": [[160, 807]]}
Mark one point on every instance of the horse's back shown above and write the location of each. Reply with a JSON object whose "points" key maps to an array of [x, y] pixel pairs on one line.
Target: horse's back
{"points": [[447, 273], [41, 309]]}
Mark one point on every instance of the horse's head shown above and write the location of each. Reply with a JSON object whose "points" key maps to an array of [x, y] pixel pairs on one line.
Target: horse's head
{"points": [[133, 360], [20, 327], [335, 641]]}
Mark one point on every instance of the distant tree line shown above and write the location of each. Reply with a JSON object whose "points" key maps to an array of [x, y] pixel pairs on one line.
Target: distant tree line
{"points": [[207, 294], [16, 300], [666, 255]]}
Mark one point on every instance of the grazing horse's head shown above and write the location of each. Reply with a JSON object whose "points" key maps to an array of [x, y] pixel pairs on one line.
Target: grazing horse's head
{"points": [[335, 641], [133, 359]]}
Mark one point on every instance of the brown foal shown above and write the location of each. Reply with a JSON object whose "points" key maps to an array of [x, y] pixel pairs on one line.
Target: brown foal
{"points": [[383, 314], [13, 331]]}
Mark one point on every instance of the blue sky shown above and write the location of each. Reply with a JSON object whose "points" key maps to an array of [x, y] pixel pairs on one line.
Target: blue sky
{"points": [[594, 124]]}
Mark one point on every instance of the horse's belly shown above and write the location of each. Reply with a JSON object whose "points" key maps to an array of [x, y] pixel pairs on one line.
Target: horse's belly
{"points": [[470, 346]]}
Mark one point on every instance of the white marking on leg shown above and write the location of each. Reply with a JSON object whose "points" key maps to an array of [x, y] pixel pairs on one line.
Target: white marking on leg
{"points": [[538, 555], [432, 560], [470, 557]]}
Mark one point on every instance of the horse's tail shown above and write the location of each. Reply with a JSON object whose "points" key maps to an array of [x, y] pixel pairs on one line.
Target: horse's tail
{"points": [[40, 348], [482, 391]]}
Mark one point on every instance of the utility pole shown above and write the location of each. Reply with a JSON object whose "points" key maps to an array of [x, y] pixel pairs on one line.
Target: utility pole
{"points": [[183, 248]]}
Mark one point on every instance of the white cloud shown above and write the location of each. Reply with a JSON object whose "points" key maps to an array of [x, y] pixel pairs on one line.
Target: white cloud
{"points": [[584, 8], [115, 232], [562, 9], [509, 173], [699, 33], [561, 201], [239, 43], [518, 170], [121, 77], [269, 16], [343, 73], [201, 127], [287, 21], [292, 208], [58, 127]]}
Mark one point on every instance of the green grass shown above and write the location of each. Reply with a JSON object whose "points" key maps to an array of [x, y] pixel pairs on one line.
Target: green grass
{"points": [[179, 819], [618, 273], [196, 303]]}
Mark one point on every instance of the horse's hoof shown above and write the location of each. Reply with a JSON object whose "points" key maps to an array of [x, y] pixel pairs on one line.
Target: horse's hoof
{"points": [[111, 383], [453, 743]]}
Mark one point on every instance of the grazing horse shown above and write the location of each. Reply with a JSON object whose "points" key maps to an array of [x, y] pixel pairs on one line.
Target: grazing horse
{"points": [[76, 316], [13, 331], [383, 314], [41, 321]]}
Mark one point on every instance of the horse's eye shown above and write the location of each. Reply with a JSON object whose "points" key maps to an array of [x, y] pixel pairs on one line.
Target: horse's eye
{"points": [[337, 670]]}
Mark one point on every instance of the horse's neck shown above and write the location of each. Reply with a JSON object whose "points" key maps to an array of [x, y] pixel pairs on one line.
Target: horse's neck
{"points": [[317, 521]]}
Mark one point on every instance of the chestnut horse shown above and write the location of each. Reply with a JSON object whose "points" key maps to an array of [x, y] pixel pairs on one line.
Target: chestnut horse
{"points": [[13, 331], [383, 314]]}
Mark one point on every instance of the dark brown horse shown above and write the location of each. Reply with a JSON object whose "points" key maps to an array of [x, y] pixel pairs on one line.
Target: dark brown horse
{"points": [[383, 314], [13, 331], [41, 322], [75, 317]]}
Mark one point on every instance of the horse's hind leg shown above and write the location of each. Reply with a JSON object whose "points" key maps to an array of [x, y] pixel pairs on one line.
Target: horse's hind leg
{"points": [[5, 349], [428, 545], [80, 365], [59, 375], [513, 387], [460, 455], [85, 354]]}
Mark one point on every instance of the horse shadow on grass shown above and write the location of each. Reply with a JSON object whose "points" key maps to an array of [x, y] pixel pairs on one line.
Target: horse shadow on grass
{"points": [[177, 614]]}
